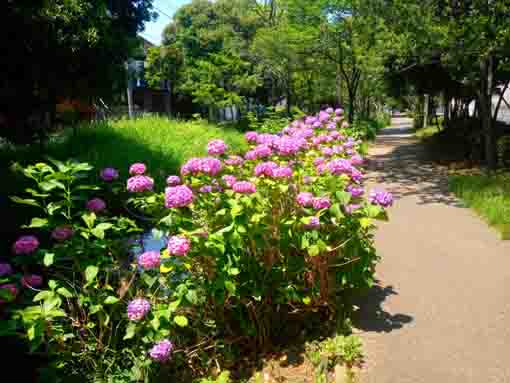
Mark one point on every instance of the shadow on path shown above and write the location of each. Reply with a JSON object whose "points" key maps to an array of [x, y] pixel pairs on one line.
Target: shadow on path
{"points": [[399, 162], [371, 317]]}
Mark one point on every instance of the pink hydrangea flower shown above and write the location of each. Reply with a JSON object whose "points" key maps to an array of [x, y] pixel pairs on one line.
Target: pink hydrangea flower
{"points": [[327, 151], [266, 138], [329, 110], [234, 161], [216, 147], [150, 260], [381, 198], [251, 136], [356, 175], [355, 191], [109, 174], [320, 203], [321, 168], [265, 169], [161, 351], [205, 189], [62, 233], [319, 161], [173, 180], [340, 166], [25, 244], [96, 205], [139, 184], [31, 281], [339, 111], [178, 196], [313, 224], [357, 160], [137, 169], [229, 180], [5, 269], [244, 187], [137, 309], [289, 146], [283, 172], [178, 245], [305, 199], [207, 165], [11, 288]]}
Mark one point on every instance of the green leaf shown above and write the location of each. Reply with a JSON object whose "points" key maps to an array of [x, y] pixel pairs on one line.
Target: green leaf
{"points": [[313, 250], [181, 321], [307, 300], [373, 211], [233, 271], [130, 331], [365, 222], [48, 259], [174, 305], [104, 226], [111, 300], [343, 197], [192, 297], [64, 292], [89, 219], [95, 309], [37, 222], [97, 232], [42, 295], [335, 209], [26, 201], [52, 207], [91, 273], [149, 281], [52, 284], [231, 287], [155, 323]]}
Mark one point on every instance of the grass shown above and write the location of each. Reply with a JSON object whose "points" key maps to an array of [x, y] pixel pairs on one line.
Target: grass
{"points": [[160, 143], [426, 132], [488, 195]]}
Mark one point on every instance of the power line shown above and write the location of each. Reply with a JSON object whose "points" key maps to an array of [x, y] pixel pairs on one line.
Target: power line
{"points": [[160, 11]]}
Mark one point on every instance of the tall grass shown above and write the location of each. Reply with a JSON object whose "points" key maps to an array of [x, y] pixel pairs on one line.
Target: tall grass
{"points": [[488, 195]]}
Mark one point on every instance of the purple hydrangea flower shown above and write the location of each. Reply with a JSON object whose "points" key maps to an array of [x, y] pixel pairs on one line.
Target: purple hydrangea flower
{"points": [[319, 161], [338, 149], [313, 224], [62, 233], [5, 269], [262, 151], [355, 191], [13, 290], [335, 135], [305, 199], [138, 309], [339, 111], [173, 180], [321, 168], [251, 136], [244, 187], [310, 120], [267, 139], [349, 209], [26, 244], [178, 196], [206, 189], [327, 151], [161, 351], [234, 161], [320, 203], [139, 184], [137, 169], [150, 260], [381, 198], [229, 180], [265, 169], [109, 174], [323, 116], [356, 175], [207, 165], [283, 172], [216, 147], [317, 125], [357, 160], [340, 166], [31, 280], [178, 245], [288, 146], [330, 110]]}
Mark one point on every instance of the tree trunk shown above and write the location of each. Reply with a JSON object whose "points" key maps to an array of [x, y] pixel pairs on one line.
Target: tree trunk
{"points": [[485, 96], [426, 111], [338, 85], [446, 106]]}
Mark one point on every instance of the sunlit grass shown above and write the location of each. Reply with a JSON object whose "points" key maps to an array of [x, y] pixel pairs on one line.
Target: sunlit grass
{"points": [[488, 195]]}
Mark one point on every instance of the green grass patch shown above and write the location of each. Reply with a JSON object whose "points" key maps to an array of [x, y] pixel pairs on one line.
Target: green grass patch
{"points": [[427, 132], [488, 195]]}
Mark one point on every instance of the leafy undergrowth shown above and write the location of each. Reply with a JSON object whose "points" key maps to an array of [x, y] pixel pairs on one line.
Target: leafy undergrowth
{"points": [[488, 195], [427, 132]]}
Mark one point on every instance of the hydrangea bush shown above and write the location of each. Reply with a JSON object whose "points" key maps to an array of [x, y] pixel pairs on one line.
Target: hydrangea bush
{"points": [[286, 226]]}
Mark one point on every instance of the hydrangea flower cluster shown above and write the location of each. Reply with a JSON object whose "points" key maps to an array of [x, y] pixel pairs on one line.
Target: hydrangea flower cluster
{"points": [[161, 351], [140, 184], [109, 174], [244, 187], [5, 269], [196, 166], [150, 260], [381, 198], [178, 245], [173, 180], [178, 196], [216, 147], [138, 309], [62, 233], [25, 244], [96, 205], [137, 169]]}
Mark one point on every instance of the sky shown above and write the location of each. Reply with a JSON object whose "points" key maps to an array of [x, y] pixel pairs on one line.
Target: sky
{"points": [[165, 9]]}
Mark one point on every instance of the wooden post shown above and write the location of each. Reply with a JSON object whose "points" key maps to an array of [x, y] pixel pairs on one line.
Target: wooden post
{"points": [[485, 96]]}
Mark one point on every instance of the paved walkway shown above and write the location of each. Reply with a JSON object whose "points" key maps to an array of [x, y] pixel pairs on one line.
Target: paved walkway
{"points": [[441, 310]]}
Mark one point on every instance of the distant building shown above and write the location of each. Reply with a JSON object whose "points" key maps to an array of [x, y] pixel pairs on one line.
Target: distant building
{"points": [[145, 98]]}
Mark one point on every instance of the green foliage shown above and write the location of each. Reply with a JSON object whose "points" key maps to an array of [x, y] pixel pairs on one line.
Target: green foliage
{"points": [[488, 195], [271, 120]]}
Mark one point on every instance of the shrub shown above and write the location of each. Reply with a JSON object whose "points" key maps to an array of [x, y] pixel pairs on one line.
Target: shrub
{"points": [[249, 240]]}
